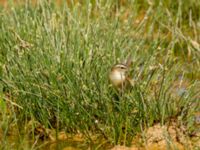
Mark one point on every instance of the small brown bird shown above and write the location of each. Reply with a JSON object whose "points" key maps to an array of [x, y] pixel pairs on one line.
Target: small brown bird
{"points": [[119, 75]]}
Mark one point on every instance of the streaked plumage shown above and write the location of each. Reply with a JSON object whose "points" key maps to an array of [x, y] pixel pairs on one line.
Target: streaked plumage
{"points": [[118, 75]]}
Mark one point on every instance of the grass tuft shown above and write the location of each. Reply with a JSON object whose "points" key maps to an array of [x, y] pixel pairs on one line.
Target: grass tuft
{"points": [[55, 59]]}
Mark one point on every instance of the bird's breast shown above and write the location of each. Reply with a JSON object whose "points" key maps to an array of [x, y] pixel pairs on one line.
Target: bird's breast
{"points": [[117, 77]]}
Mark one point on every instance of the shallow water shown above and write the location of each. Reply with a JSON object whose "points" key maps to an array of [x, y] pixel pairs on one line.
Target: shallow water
{"points": [[64, 145], [23, 142]]}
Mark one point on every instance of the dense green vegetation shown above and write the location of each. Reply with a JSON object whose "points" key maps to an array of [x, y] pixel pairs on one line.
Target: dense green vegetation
{"points": [[55, 60]]}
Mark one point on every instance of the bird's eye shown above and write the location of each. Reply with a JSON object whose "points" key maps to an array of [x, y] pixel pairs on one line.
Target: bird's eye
{"points": [[122, 67]]}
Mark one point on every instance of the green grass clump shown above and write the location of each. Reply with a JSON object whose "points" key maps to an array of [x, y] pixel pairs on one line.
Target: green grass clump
{"points": [[55, 60]]}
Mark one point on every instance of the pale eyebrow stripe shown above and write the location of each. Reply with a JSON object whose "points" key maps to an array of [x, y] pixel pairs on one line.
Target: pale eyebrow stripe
{"points": [[121, 65]]}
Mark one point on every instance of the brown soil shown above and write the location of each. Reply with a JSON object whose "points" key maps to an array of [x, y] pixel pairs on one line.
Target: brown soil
{"points": [[164, 137]]}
